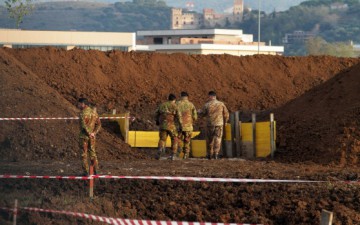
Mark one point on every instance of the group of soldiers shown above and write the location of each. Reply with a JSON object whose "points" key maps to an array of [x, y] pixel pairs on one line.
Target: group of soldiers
{"points": [[176, 119]]}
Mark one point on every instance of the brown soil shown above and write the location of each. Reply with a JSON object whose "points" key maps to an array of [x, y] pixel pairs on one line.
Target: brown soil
{"points": [[316, 103]]}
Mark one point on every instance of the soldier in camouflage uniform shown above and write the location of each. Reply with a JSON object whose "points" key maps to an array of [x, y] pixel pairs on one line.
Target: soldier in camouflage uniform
{"points": [[89, 126], [217, 115], [167, 116], [188, 117]]}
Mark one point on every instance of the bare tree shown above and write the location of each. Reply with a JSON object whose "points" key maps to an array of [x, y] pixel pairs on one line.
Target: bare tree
{"points": [[18, 9]]}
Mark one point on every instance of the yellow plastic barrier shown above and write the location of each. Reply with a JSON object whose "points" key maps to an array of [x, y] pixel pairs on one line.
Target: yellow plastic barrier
{"points": [[263, 145], [198, 148], [227, 132], [246, 132], [149, 139], [263, 148]]}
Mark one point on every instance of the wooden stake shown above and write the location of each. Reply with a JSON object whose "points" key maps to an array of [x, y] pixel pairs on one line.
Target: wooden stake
{"points": [[127, 125], [326, 217], [91, 182], [15, 211]]}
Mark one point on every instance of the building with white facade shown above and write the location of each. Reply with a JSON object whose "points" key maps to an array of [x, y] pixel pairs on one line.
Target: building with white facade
{"points": [[203, 41], [103, 41]]}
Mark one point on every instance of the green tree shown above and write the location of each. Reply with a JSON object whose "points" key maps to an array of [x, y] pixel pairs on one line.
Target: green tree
{"points": [[318, 46], [18, 9]]}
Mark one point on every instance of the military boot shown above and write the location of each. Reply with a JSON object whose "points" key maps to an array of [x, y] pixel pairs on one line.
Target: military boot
{"points": [[159, 153], [216, 156], [178, 151], [172, 157], [186, 155]]}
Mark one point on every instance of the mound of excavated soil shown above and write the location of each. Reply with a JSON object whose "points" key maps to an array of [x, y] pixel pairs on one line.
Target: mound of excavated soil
{"points": [[323, 124], [48, 81]]}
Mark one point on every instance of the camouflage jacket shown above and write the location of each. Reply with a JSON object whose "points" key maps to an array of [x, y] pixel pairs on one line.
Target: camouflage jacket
{"points": [[167, 116], [89, 122], [216, 112], [188, 114]]}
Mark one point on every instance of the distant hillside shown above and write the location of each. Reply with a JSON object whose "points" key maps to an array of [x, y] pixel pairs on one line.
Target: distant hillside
{"points": [[93, 16], [219, 6]]}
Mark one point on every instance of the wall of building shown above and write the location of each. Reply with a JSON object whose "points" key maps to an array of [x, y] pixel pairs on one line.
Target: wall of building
{"points": [[67, 39]]}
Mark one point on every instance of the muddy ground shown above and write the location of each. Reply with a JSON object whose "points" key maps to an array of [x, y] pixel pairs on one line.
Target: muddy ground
{"points": [[316, 101]]}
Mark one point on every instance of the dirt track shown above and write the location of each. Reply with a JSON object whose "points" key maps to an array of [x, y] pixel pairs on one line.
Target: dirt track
{"points": [[316, 101]]}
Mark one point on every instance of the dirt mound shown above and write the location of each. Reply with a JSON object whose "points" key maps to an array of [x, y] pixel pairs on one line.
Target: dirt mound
{"points": [[23, 94], [323, 124], [138, 82]]}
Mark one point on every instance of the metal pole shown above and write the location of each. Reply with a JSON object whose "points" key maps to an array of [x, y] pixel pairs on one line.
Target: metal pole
{"points": [[259, 27], [272, 135], [253, 120], [237, 134], [91, 182]]}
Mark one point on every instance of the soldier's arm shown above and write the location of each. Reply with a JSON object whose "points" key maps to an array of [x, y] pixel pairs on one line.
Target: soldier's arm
{"points": [[157, 116], [84, 119], [194, 113], [204, 111], [225, 113], [178, 117], [97, 124]]}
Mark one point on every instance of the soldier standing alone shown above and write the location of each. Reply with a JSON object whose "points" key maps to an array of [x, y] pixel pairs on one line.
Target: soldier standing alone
{"points": [[188, 117], [167, 116], [89, 126], [217, 115]]}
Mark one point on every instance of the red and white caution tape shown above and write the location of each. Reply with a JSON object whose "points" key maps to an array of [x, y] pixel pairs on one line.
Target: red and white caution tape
{"points": [[6, 209], [199, 179], [46, 177], [63, 118], [205, 179], [120, 221]]}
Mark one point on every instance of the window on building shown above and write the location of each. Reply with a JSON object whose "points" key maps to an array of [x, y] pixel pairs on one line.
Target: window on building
{"points": [[158, 41]]}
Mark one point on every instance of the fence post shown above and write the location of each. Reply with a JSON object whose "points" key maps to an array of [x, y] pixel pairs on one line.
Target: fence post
{"points": [[15, 211], [126, 123], [326, 217], [237, 135], [227, 138], [272, 135], [91, 182], [253, 120]]}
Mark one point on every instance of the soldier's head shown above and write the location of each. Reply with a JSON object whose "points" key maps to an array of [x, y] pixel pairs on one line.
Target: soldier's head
{"points": [[184, 94], [212, 95], [83, 103], [172, 97]]}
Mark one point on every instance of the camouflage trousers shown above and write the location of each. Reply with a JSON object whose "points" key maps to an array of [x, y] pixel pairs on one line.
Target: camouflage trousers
{"points": [[185, 138], [163, 134], [87, 145], [213, 140]]}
